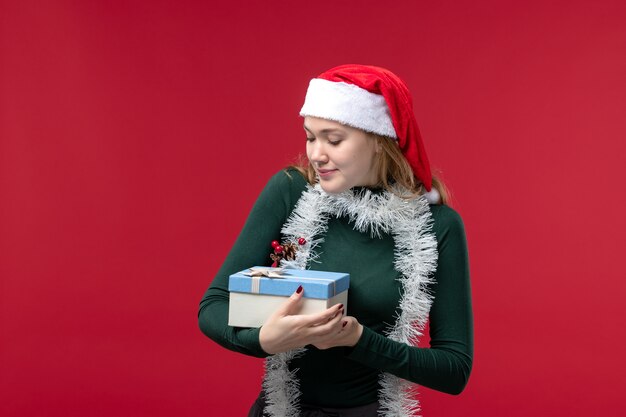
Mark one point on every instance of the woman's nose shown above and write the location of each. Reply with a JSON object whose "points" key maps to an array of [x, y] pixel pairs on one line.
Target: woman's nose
{"points": [[317, 153]]}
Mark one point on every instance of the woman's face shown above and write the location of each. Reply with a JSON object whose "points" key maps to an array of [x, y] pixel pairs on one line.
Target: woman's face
{"points": [[342, 156]]}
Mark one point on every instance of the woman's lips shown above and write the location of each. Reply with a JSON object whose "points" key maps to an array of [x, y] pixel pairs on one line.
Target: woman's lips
{"points": [[325, 173]]}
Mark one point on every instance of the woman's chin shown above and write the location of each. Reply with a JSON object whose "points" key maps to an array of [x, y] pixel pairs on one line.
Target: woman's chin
{"points": [[332, 188]]}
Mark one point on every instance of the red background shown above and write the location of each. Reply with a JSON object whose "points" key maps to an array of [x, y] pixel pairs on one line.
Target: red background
{"points": [[135, 136]]}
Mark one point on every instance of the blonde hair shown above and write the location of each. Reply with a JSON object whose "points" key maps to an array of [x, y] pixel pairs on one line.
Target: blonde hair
{"points": [[392, 168]]}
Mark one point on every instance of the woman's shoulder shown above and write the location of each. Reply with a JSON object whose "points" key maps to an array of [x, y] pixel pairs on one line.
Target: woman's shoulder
{"points": [[287, 185], [444, 212], [446, 220], [288, 179]]}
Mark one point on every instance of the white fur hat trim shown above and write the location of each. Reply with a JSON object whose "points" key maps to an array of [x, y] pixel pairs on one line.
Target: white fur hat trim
{"points": [[348, 104]]}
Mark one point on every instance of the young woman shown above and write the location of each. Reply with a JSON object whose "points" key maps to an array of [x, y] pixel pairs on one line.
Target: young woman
{"points": [[365, 204]]}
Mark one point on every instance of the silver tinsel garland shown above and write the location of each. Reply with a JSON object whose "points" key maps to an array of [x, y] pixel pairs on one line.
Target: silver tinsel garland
{"points": [[410, 223]]}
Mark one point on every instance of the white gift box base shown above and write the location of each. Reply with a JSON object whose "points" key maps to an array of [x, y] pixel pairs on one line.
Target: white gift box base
{"points": [[251, 310]]}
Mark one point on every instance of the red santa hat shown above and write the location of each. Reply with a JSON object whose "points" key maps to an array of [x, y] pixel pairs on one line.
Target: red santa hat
{"points": [[372, 99]]}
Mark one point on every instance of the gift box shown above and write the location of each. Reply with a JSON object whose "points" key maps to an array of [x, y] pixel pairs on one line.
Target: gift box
{"points": [[257, 292]]}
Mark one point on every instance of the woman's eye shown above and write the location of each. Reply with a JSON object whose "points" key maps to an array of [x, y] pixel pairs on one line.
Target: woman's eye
{"points": [[308, 139], [334, 142]]}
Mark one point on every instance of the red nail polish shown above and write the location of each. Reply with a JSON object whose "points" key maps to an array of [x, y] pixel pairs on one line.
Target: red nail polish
{"points": [[299, 290], [344, 324], [340, 307]]}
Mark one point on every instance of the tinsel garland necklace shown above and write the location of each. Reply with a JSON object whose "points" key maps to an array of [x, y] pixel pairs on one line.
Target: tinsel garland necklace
{"points": [[409, 221]]}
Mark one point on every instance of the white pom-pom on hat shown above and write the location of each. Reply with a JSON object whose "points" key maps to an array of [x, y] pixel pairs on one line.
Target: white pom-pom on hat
{"points": [[433, 196]]}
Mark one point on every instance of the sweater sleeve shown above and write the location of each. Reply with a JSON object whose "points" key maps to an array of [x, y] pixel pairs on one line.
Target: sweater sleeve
{"points": [[446, 365], [251, 248]]}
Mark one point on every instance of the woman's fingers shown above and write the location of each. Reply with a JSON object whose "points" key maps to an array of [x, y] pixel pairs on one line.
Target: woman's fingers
{"points": [[330, 326], [323, 317], [349, 333], [292, 305]]}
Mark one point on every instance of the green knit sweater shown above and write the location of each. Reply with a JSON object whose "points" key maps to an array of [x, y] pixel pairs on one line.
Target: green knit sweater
{"points": [[348, 377]]}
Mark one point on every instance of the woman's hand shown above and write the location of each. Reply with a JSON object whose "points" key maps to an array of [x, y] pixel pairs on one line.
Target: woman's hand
{"points": [[349, 335], [285, 329]]}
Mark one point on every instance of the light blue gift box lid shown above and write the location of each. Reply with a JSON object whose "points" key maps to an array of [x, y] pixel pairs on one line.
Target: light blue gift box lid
{"points": [[316, 284]]}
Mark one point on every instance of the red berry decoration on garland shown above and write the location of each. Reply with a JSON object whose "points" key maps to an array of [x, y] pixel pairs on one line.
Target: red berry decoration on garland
{"points": [[286, 251]]}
